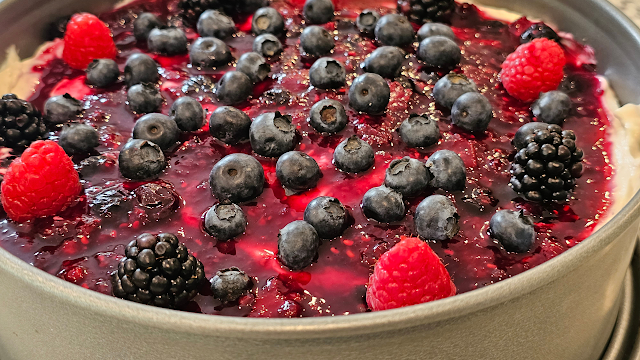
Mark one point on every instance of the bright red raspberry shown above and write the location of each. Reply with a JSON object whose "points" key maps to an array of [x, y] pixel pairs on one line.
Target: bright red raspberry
{"points": [[408, 274], [534, 67], [40, 183], [86, 39]]}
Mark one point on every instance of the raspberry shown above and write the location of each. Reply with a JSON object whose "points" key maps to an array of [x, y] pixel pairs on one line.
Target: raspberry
{"points": [[40, 183], [408, 274], [533, 68], [87, 39]]}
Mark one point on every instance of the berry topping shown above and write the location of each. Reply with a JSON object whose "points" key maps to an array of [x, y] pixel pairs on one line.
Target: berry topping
{"points": [[272, 134], [394, 30], [447, 171], [234, 88], [367, 21], [316, 41], [409, 262], [436, 218], [385, 61], [78, 139], [328, 116], [225, 221], [143, 25], [155, 201], [353, 155], [435, 29], [318, 11], [157, 270], [369, 93], [167, 41], [42, 182], [298, 244], [267, 20], [190, 10], [537, 31], [141, 160], [547, 167], [421, 11], [86, 39], [328, 216], [157, 128], [552, 107], [187, 113], [208, 52], [440, 52], [237, 178], [213, 23], [419, 131], [61, 109], [521, 138], [144, 98], [140, 68], [268, 45], [533, 68], [327, 73], [21, 123], [407, 176], [254, 66], [513, 229], [472, 112], [448, 89], [229, 125], [383, 204], [297, 171], [231, 284], [102, 73]]}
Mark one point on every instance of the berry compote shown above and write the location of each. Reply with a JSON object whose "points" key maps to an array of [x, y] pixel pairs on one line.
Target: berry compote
{"points": [[84, 243]]}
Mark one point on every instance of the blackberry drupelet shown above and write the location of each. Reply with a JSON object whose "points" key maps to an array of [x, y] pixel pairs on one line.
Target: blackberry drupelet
{"points": [[547, 165], [157, 270], [20, 123], [421, 11]]}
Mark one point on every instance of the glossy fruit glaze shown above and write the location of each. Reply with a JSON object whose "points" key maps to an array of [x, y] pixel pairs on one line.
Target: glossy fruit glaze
{"points": [[83, 247]]}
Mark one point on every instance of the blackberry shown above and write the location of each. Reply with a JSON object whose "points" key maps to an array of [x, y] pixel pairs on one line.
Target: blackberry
{"points": [[547, 165], [421, 11], [190, 10], [20, 123], [158, 270]]}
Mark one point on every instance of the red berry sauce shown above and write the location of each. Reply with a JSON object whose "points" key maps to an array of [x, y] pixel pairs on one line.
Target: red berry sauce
{"points": [[82, 246]]}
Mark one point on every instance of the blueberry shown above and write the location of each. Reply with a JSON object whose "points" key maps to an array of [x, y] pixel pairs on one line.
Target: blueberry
{"points": [[447, 170], [369, 93], [552, 107], [157, 128], [297, 171], [353, 155], [520, 140], [229, 125], [367, 20], [213, 23], [102, 72], [440, 52], [140, 68], [230, 284], [225, 221], [407, 176], [448, 89], [316, 41], [168, 41], [394, 30], [267, 20], [385, 61], [539, 30], [328, 116], [328, 216], [298, 244], [436, 218], [209, 52], [141, 160], [237, 178], [419, 131], [144, 98], [268, 45], [513, 229], [272, 134], [383, 204], [234, 88], [187, 113], [318, 11], [472, 112], [62, 108], [78, 138], [435, 29], [327, 73], [254, 66], [143, 24]]}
